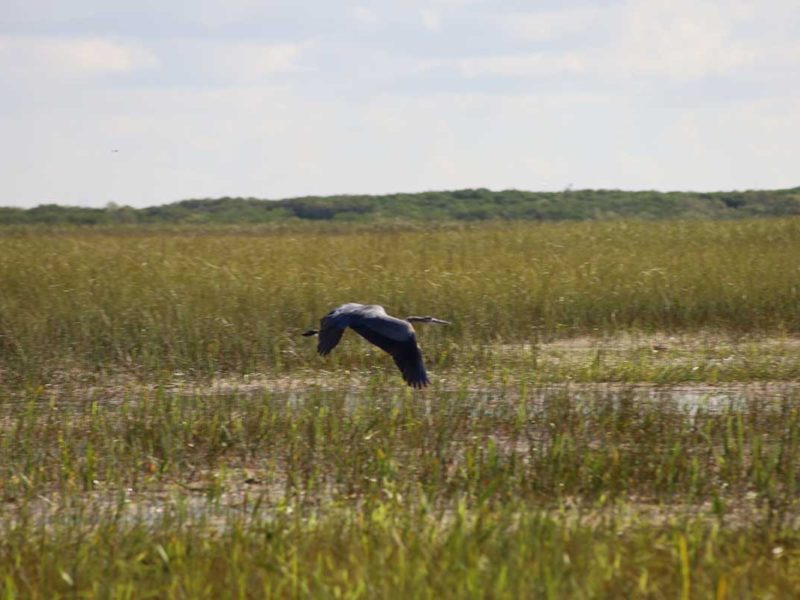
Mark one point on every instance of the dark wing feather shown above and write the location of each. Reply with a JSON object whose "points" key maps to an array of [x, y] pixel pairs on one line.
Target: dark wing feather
{"points": [[408, 358], [406, 354], [328, 338], [381, 341]]}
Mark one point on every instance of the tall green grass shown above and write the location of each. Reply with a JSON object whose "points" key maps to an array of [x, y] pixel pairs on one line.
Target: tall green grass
{"points": [[395, 551], [123, 475], [535, 444], [220, 302], [505, 493]]}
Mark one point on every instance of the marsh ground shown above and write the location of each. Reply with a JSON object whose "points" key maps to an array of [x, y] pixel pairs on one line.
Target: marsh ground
{"points": [[615, 413]]}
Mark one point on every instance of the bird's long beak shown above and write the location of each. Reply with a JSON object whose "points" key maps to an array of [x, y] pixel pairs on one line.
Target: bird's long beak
{"points": [[439, 321]]}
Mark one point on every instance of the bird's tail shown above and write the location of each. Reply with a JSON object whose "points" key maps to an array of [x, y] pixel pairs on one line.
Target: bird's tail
{"points": [[311, 332]]}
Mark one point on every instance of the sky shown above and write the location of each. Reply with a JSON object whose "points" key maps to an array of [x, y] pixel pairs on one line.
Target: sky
{"points": [[146, 102]]}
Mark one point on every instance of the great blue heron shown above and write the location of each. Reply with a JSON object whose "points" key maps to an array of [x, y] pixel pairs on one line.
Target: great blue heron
{"points": [[393, 335]]}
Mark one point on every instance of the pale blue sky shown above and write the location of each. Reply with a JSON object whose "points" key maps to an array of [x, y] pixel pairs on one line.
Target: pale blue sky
{"points": [[150, 102]]}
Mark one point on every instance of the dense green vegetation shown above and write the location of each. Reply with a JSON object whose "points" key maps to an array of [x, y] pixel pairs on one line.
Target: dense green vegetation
{"points": [[461, 205], [614, 412], [217, 303], [511, 492]]}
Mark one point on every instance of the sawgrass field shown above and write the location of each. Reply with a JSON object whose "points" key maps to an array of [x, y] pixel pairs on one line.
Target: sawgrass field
{"points": [[614, 412]]}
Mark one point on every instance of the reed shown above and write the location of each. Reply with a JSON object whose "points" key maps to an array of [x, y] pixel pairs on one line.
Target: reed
{"points": [[502, 493], [166, 432], [210, 303]]}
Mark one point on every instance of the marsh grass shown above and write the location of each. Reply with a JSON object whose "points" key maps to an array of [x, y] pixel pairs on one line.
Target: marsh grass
{"points": [[544, 491], [393, 551], [542, 444], [211, 303], [165, 432]]}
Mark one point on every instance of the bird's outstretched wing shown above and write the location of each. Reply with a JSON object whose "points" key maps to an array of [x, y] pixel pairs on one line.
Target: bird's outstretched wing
{"points": [[406, 353], [408, 359], [332, 326], [329, 336]]}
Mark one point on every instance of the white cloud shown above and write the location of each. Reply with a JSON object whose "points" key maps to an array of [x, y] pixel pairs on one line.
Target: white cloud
{"points": [[682, 51], [553, 24], [249, 61], [430, 19], [364, 15], [54, 56], [520, 65], [671, 40], [214, 13], [681, 39]]}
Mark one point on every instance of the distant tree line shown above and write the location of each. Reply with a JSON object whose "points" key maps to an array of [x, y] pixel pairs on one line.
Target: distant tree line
{"points": [[460, 205]]}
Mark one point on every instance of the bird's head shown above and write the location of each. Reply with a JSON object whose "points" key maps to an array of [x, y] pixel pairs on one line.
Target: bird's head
{"points": [[427, 320]]}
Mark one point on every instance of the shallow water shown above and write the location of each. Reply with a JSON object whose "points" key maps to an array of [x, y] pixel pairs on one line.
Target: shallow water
{"points": [[683, 398], [485, 414]]}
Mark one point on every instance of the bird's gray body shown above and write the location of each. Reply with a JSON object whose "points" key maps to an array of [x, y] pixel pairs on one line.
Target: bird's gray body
{"points": [[361, 316], [393, 335]]}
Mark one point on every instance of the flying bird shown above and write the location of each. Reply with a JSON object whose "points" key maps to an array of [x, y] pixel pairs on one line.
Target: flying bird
{"points": [[393, 335]]}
